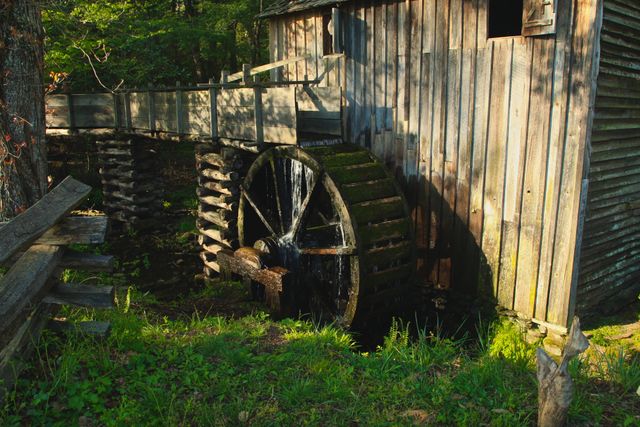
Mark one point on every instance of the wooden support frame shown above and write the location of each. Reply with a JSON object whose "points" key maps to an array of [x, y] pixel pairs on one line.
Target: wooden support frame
{"points": [[151, 103], [213, 110], [179, 110]]}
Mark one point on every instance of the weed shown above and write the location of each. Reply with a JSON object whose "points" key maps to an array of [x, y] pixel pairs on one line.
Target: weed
{"points": [[508, 342]]}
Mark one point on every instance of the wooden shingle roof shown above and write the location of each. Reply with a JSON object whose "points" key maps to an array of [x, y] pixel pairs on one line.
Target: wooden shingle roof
{"points": [[283, 7]]}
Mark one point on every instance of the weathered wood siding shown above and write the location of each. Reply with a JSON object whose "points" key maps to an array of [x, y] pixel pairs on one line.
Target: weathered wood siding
{"points": [[610, 257], [88, 110], [488, 135]]}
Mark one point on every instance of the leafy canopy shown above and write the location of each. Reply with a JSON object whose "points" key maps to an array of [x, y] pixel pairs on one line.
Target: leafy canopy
{"points": [[141, 42]]}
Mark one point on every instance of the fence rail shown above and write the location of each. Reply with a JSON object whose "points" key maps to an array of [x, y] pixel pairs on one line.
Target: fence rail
{"points": [[33, 248]]}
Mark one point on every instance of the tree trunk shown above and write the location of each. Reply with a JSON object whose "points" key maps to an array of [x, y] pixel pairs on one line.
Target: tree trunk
{"points": [[23, 167]]}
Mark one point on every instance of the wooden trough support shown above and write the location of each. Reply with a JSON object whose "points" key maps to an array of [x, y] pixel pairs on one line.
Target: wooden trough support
{"points": [[245, 262], [220, 170], [130, 181], [33, 248]]}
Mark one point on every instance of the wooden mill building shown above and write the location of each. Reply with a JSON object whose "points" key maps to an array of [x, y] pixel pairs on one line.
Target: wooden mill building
{"points": [[514, 125]]}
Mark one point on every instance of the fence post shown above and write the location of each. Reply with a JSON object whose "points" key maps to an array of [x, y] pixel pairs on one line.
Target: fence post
{"points": [[127, 111], [257, 97], [213, 110], [246, 74], [152, 108], [71, 117], [116, 110], [224, 77], [179, 112]]}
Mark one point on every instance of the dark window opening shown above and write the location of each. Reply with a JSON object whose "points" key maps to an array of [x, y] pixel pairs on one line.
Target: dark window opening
{"points": [[505, 18], [327, 35]]}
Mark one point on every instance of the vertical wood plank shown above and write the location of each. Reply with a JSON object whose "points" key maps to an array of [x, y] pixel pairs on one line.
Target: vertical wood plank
{"points": [[426, 131], [179, 110], [351, 66], [441, 56], [116, 110], [496, 157], [416, 98], [369, 74], [213, 110], [516, 155], [392, 64], [462, 274], [273, 47], [127, 110], [584, 68], [151, 104], [535, 176], [257, 101], [554, 162], [379, 60]]}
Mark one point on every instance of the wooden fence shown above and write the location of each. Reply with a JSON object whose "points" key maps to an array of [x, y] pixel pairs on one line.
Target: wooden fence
{"points": [[33, 247]]}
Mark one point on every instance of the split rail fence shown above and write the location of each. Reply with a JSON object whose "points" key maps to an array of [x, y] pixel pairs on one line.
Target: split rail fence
{"points": [[34, 250]]}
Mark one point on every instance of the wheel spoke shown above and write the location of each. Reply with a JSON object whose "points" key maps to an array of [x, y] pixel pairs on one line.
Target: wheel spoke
{"points": [[295, 225], [332, 251], [277, 195], [246, 195]]}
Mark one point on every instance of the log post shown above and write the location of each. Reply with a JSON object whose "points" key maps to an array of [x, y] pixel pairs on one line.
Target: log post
{"points": [[555, 387], [213, 110], [224, 77], [71, 117], [246, 74], [179, 110], [257, 96], [116, 110], [151, 101], [127, 111]]}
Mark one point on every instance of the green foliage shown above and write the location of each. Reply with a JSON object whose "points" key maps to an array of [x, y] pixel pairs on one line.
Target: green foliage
{"points": [[210, 370], [157, 42], [508, 342]]}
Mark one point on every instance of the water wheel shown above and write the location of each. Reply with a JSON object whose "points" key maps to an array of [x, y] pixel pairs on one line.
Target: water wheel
{"points": [[334, 218]]}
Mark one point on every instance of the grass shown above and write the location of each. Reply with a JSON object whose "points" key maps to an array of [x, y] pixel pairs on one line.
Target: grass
{"points": [[211, 370]]}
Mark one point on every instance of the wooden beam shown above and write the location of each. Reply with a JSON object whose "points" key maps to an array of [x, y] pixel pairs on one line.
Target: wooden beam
{"points": [[246, 73], [151, 103], [18, 350], [81, 295], [36, 220], [93, 328], [179, 110], [87, 262], [258, 115], [262, 68], [22, 284], [83, 230], [213, 110], [127, 111]]}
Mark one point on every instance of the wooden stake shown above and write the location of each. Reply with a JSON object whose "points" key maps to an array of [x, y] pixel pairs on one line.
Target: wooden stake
{"points": [[555, 387]]}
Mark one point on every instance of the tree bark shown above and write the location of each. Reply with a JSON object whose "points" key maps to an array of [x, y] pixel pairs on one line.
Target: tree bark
{"points": [[23, 164]]}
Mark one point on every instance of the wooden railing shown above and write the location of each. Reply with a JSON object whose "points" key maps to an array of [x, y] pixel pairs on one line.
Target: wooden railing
{"points": [[276, 112], [33, 248]]}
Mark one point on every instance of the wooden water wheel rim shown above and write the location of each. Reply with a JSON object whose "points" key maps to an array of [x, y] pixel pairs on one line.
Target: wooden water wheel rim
{"points": [[359, 194], [321, 179]]}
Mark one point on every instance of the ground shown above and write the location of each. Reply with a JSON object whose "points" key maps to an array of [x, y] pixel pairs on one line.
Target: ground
{"points": [[182, 352]]}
